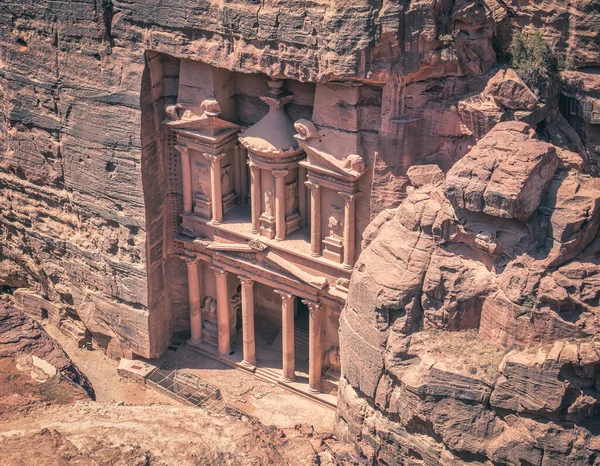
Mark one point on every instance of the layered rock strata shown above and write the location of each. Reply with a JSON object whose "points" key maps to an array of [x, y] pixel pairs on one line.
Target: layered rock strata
{"points": [[470, 331], [83, 176]]}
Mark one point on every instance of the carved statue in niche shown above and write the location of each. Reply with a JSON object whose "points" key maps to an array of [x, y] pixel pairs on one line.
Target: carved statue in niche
{"points": [[201, 181], [269, 202], [210, 307], [336, 222], [290, 198], [331, 361], [226, 180]]}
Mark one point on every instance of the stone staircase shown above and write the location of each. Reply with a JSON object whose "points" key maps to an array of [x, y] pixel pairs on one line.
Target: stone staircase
{"points": [[268, 374]]}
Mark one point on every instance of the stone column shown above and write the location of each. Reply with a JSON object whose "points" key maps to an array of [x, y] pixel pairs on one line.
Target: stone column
{"points": [[248, 322], [349, 228], [215, 186], [194, 275], [224, 347], [315, 218], [186, 178], [287, 333], [244, 173], [302, 197], [279, 203], [255, 196], [315, 350], [238, 166]]}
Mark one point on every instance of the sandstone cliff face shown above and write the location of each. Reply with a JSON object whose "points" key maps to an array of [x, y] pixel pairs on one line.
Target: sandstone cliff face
{"points": [[504, 249], [83, 181]]}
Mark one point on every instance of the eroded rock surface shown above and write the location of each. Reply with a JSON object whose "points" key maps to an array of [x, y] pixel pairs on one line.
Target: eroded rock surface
{"points": [[34, 368], [508, 257]]}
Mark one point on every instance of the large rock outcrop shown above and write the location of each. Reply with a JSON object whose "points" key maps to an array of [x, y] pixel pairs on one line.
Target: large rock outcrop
{"points": [[470, 331]]}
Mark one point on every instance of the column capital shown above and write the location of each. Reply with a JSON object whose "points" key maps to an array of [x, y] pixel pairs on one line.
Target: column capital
{"points": [[312, 305], [279, 173], [217, 270], [246, 282], [312, 185], [349, 197], [285, 296], [214, 157], [253, 166], [189, 259], [182, 149]]}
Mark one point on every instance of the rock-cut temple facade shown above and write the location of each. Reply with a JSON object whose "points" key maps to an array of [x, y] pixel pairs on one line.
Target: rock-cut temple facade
{"points": [[266, 221]]}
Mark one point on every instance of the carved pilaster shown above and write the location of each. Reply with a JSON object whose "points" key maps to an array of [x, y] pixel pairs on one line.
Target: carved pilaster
{"points": [[186, 177], [215, 186], [255, 196], [349, 227], [315, 218], [280, 203]]}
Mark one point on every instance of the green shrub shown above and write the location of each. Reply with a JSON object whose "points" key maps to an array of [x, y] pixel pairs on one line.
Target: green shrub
{"points": [[536, 62]]}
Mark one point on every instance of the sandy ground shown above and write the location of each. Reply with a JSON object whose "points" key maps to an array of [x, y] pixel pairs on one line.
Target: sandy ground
{"points": [[269, 403], [102, 373], [90, 433]]}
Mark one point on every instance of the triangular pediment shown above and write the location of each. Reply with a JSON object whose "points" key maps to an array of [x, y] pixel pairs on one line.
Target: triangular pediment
{"points": [[266, 259]]}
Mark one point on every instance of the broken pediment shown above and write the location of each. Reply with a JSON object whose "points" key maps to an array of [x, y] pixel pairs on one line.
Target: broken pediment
{"points": [[331, 149], [205, 130]]}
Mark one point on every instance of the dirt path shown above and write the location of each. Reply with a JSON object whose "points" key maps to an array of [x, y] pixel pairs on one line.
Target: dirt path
{"points": [[102, 372]]}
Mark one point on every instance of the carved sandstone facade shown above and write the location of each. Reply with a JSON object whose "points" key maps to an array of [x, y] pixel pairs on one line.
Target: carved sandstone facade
{"points": [[267, 224]]}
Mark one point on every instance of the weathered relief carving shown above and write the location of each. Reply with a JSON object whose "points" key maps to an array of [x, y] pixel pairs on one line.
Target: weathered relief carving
{"points": [[291, 198], [226, 185], [336, 222], [268, 202], [209, 307], [201, 180]]}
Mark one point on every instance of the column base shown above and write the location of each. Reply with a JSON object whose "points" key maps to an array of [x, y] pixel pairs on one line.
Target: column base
{"points": [[215, 222], [223, 354], [348, 267], [249, 365], [194, 342], [255, 232], [279, 239], [286, 380], [314, 391], [315, 254]]}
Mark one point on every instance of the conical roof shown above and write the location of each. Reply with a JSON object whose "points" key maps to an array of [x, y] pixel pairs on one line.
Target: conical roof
{"points": [[273, 135]]}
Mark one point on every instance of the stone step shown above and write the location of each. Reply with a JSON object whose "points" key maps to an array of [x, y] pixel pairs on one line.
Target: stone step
{"points": [[267, 374]]}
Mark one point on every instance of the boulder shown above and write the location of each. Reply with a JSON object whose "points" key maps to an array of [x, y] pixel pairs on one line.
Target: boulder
{"points": [[508, 90], [505, 175], [421, 175]]}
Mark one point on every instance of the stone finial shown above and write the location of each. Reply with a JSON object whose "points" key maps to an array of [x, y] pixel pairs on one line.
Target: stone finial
{"points": [[306, 129], [210, 107]]}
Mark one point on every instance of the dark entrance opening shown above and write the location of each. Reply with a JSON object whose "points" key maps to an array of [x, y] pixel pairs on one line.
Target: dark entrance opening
{"points": [[44, 313], [301, 335]]}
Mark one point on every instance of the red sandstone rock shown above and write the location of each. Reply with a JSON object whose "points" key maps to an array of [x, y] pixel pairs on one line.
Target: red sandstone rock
{"points": [[505, 175], [508, 90], [506, 260]]}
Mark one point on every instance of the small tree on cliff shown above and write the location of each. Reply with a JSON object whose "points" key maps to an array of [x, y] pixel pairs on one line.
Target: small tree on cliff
{"points": [[536, 61]]}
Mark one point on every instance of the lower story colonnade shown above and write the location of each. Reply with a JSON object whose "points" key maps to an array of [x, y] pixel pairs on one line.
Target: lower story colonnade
{"points": [[220, 308]]}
